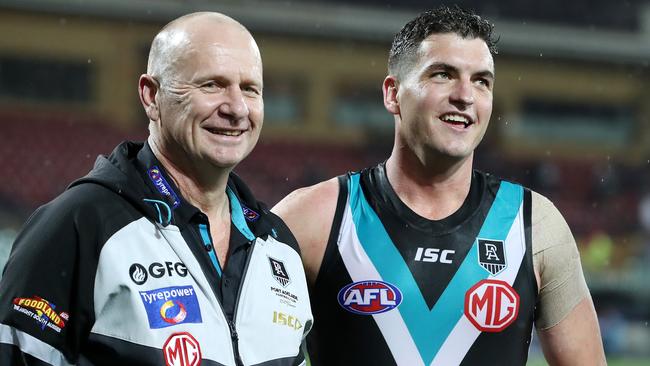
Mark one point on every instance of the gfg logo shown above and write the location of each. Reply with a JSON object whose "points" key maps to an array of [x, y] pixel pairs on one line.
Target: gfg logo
{"points": [[369, 297], [491, 305], [139, 273]]}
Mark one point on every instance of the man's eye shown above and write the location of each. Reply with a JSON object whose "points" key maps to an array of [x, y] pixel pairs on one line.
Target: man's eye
{"points": [[483, 82], [252, 90], [440, 75], [210, 85]]}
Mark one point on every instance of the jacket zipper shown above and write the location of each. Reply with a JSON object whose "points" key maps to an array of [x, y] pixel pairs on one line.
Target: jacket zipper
{"points": [[234, 337], [233, 329]]}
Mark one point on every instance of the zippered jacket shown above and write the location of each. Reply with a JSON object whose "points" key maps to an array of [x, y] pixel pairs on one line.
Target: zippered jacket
{"points": [[105, 275]]}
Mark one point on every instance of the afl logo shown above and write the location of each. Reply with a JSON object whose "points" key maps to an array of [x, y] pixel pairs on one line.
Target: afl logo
{"points": [[369, 297], [491, 305], [138, 273]]}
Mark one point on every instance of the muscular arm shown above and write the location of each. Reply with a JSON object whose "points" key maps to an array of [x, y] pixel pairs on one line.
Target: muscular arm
{"points": [[576, 339], [309, 213], [566, 321]]}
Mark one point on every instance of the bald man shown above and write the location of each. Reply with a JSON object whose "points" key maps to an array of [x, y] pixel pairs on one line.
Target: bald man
{"points": [[161, 255]]}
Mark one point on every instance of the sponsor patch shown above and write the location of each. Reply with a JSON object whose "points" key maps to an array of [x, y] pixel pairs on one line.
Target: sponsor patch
{"points": [[139, 273], [491, 255], [249, 214], [42, 311], [434, 255], [171, 306], [182, 349], [279, 272], [286, 320], [369, 297], [162, 186], [491, 305]]}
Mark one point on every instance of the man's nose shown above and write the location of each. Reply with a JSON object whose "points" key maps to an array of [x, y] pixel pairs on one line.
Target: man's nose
{"points": [[462, 93], [234, 104]]}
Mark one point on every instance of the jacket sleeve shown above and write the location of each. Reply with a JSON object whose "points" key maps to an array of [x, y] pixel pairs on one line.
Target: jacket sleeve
{"points": [[46, 308]]}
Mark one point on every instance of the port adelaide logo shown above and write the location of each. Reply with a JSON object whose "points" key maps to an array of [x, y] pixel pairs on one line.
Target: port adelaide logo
{"points": [[279, 272], [491, 255], [369, 297]]}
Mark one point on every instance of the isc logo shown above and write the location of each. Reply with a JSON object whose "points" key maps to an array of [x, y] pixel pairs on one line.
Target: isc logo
{"points": [[491, 305], [369, 297], [434, 255], [288, 320], [181, 349]]}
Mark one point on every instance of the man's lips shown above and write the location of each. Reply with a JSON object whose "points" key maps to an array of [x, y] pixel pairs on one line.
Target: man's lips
{"points": [[225, 132], [457, 119]]}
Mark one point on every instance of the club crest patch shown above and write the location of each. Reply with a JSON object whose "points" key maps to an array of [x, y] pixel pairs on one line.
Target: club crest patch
{"points": [[491, 255], [171, 306], [279, 271]]}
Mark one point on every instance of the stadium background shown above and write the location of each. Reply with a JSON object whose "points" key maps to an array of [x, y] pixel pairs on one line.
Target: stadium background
{"points": [[571, 112]]}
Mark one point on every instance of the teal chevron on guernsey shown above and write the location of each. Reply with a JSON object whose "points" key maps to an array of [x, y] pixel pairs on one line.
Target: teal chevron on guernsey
{"points": [[391, 266]]}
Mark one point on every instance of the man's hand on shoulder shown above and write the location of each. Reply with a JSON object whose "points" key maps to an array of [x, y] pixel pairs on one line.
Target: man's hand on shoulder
{"points": [[309, 212]]}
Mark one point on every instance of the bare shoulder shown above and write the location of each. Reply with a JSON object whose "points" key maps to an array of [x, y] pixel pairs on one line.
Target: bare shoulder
{"points": [[309, 212], [308, 201]]}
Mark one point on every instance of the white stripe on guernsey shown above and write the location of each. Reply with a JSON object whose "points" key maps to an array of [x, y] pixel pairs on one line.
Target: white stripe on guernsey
{"points": [[32, 346], [360, 268], [464, 334]]}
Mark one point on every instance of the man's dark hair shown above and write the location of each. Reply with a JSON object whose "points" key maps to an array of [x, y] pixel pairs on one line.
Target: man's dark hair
{"points": [[437, 21]]}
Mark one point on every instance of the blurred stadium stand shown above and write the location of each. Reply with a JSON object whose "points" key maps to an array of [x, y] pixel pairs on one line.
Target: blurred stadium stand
{"points": [[571, 119]]}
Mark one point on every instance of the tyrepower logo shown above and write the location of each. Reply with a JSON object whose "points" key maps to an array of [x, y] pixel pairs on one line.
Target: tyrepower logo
{"points": [[491, 305], [170, 306], [162, 186], [369, 297], [181, 349]]}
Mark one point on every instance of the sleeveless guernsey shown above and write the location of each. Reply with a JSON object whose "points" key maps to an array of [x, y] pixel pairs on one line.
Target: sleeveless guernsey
{"points": [[395, 288]]}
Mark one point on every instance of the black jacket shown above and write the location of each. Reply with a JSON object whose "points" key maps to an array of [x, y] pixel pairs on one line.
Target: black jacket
{"points": [[107, 274]]}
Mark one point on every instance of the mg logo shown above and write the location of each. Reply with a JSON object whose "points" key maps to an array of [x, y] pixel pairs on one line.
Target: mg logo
{"points": [[491, 305], [181, 349]]}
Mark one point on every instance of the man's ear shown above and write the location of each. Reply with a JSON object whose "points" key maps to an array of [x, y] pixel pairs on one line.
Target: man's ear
{"points": [[390, 87], [148, 88]]}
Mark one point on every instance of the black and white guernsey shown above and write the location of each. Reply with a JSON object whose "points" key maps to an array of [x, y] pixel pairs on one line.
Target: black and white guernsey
{"points": [[120, 270]]}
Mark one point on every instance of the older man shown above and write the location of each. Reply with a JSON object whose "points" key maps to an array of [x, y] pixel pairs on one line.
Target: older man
{"points": [[162, 256], [423, 260]]}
